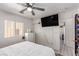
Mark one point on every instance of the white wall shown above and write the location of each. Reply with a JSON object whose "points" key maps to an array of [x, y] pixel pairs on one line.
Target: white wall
{"points": [[9, 16], [68, 17], [48, 36]]}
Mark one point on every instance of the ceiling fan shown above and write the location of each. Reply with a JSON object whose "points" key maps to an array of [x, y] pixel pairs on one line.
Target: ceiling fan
{"points": [[30, 7]]}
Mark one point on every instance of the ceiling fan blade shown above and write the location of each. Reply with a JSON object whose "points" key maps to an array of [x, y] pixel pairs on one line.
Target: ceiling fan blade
{"points": [[23, 10], [39, 8], [32, 4], [33, 13]]}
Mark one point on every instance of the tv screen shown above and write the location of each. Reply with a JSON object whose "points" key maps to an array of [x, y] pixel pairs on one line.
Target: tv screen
{"points": [[50, 21]]}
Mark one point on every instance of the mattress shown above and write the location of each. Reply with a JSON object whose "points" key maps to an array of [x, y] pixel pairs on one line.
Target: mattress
{"points": [[26, 49]]}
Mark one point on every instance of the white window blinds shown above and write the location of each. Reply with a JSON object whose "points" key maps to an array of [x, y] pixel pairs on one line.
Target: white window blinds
{"points": [[12, 28]]}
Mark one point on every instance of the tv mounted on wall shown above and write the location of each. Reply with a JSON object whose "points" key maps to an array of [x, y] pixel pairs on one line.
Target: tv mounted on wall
{"points": [[50, 21]]}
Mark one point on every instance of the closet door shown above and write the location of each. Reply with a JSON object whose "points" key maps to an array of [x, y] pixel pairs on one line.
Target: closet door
{"points": [[69, 36], [69, 33]]}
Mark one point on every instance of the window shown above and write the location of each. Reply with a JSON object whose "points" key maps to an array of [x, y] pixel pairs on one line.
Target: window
{"points": [[9, 29], [19, 28], [12, 28]]}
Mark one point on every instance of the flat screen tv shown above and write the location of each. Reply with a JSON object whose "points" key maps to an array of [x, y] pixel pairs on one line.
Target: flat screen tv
{"points": [[50, 21]]}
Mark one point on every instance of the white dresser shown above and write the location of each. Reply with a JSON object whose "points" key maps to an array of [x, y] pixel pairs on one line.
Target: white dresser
{"points": [[30, 37]]}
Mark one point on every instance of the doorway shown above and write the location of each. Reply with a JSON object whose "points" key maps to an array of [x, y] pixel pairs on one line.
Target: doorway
{"points": [[77, 35]]}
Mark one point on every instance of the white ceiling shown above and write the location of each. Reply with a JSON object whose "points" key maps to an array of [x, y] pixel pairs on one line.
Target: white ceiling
{"points": [[50, 9]]}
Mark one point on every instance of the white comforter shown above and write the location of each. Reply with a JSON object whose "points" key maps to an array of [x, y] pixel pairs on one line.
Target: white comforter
{"points": [[26, 49]]}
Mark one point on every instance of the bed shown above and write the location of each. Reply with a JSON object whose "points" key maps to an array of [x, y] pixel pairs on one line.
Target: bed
{"points": [[26, 49]]}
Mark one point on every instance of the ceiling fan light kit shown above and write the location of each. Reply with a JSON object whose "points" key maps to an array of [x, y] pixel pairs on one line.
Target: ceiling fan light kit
{"points": [[29, 9]]}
